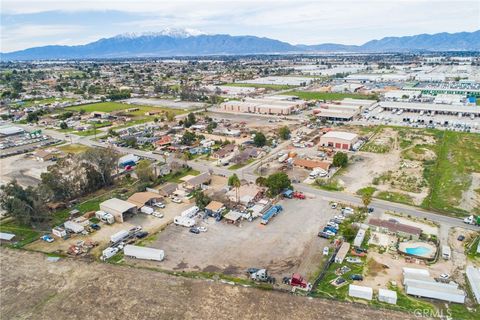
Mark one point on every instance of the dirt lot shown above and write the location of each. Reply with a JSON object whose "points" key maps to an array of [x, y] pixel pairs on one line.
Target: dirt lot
{"points": [[232, 249], [25, 169], [33, 288]]}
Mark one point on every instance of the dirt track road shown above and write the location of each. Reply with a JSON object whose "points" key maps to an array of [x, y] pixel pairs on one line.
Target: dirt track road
{"points": [[33, 288]]}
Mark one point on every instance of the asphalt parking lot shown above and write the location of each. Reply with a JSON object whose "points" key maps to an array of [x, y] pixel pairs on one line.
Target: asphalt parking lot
{"points": [[289, 243]]}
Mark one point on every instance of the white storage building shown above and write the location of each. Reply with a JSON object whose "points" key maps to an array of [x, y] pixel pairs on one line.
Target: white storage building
{"points": [[342, 252], [118, 208], [144, 253], [388, 296], [359, 238], [73, 226], [360, 292], [417, 282], [473, 276]]}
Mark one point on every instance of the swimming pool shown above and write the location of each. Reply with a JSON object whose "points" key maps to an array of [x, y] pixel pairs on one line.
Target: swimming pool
{"points": [[418, 251]]}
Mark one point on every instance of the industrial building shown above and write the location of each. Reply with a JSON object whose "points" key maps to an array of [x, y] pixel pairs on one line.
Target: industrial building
{"points": [[274, 105], [141, 199], [344, 110], [338, 140], [473, 276], [447, 109], [118, 208], [417, 282]]}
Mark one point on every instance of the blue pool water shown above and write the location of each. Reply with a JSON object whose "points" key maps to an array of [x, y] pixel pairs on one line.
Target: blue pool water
{"points": [[418, 251]]}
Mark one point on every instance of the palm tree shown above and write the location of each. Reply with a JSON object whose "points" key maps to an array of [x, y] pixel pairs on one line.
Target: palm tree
{"points": [[234, 181], [366, 199]]}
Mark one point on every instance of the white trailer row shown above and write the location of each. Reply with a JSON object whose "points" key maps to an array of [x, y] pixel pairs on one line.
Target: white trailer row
{"points": [[143, 253], [190, 212], [184, 221], [119, 236]]}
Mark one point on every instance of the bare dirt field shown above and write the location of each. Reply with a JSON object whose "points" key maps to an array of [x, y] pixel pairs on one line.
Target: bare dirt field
{"points": [[33, 288], [289, 243], [25, 169]]}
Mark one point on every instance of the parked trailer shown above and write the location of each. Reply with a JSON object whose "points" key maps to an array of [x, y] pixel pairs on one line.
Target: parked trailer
{"points": [[119, 236], [105, 217], [272, 212], [184, 221], [283, 158], [190, 212], [143, 253], [147, 210]]}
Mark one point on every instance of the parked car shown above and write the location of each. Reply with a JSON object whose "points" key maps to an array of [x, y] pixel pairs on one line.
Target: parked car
{"points": [[444, 276], [325, 251], [339, 217], [334, 205], [160, 205], [158, 215], [461, 237], [48, 238], [370, 209], [298, 195], [330, 233], [135, 229], [194, 230], [339, 281], [332, 224], [95, 226], [202, 229], [176, 200], [141, 234], [325, 235], [357, 277]]}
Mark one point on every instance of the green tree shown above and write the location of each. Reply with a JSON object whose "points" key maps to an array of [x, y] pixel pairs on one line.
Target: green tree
{"points": [[131, 142], [144, 171], [284, 133], [349, 232], [260, 140], [188, 138], [63, 125], [234, 182], [201, 200], [261, 181], [170, 116], [277, 182], [24, 205], [105, 161], [340, 159]]}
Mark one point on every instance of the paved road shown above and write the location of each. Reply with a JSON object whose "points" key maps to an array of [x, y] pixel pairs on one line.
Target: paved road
{"points": [[247, 173]]}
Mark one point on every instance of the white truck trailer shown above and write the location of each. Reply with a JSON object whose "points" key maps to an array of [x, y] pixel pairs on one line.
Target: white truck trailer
{"points": [[184, 221], [190, 212], [119, 236], [147, 210], [143, 253]]}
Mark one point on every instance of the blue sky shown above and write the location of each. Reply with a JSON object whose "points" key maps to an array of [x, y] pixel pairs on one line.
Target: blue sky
{"points": [[29, 23]]}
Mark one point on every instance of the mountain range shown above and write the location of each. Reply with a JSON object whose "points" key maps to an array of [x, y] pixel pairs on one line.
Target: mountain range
{"points": [[188, 42]]}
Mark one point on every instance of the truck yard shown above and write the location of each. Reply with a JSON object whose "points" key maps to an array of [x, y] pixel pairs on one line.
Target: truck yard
{"points": [[232, 249]]}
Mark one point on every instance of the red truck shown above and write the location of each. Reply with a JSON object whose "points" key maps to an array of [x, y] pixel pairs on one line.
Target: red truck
{"points": [[298, 195], [298, 281]]}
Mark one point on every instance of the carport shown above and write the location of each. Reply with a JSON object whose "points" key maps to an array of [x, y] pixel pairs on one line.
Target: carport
{"points": [[120, 209]]}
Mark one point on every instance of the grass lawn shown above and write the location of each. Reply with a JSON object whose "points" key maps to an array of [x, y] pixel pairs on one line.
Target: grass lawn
{"points": [[175, 177], [366, 191], [395, 197], [240, 165], [73, 148], [23, 234], [260, 85], [33, 102], [450, 174], [118, 106], [309, 95]]}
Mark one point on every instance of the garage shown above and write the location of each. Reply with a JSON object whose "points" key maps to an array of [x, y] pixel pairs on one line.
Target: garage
{"points": [[339, 140], [120, 209]]}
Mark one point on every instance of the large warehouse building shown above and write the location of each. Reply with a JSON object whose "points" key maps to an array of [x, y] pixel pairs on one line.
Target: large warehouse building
{"points": [[338, 140], [275, 105], [345, 110]]}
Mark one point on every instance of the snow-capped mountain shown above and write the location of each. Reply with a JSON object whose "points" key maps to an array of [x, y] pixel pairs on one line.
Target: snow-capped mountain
{"points": [[170, 32]]}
